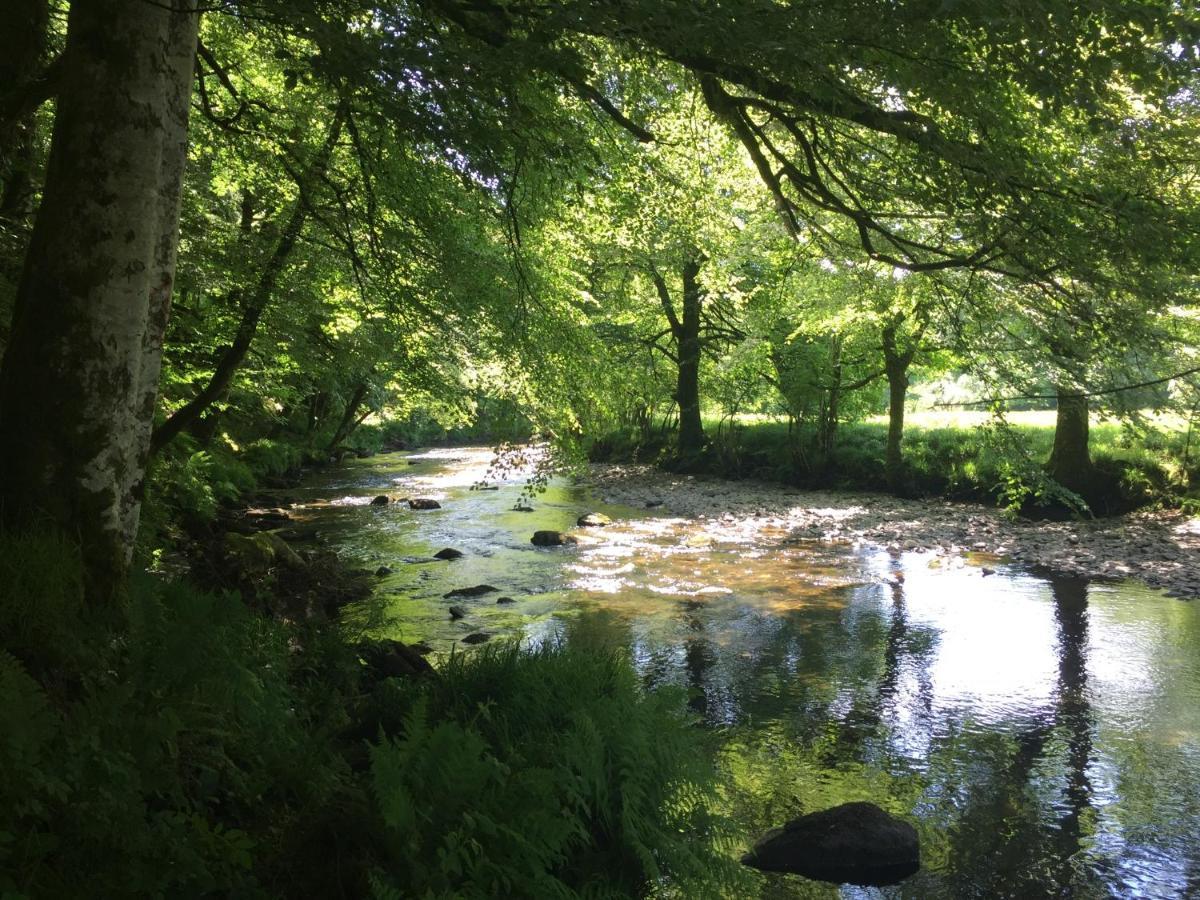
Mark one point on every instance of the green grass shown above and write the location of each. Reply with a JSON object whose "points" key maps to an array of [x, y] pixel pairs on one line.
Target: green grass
{"points": [[958, 455]]}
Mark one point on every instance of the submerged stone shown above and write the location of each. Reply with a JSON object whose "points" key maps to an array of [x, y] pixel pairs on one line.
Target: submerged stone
{"points": [[457, 612], [594, 520], [448, 553], [855, 843], [383, 571], [477, 591], [477, 637], [423, 503], [505, 600], [550, 539]]}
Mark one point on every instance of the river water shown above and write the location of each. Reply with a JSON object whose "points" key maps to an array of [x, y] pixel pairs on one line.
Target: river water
{"points": [[1042, 734]]}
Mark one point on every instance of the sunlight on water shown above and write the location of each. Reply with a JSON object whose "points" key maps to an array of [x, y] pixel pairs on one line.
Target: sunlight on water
{"points": [[1044, 735]]}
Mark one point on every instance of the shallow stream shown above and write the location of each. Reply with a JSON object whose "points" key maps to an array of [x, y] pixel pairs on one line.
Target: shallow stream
{"points": [[1043, 734]]}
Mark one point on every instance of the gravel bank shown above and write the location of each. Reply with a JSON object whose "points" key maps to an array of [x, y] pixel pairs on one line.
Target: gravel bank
{"points": [[1161, 549]]}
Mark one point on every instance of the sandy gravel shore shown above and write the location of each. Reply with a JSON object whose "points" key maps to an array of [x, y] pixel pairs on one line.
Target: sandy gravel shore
{"points": [[1161, 549]]}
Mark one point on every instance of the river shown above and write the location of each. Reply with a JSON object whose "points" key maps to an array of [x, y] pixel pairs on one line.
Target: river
{"points": [[1043, 734]]}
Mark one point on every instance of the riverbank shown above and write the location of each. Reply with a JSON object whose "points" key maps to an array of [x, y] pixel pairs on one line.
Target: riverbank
{"points": [[1160, 548]]}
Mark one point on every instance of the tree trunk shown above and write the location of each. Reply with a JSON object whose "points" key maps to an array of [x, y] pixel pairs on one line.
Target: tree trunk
{"points": [[22, 62], [80, 377], [256, 304], [1070, 463], [348, 423], [831, 412], [895, 368], [685, 329], [897, 379], [687, 392]]}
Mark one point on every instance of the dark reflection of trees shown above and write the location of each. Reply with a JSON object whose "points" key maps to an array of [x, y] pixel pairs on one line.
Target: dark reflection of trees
{"points": [[699, 658], [1073, 714], [1004, 843], [901, 647]]}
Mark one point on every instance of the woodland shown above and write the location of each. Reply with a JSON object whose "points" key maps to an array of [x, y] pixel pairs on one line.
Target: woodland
{"points": [[725, 238]]}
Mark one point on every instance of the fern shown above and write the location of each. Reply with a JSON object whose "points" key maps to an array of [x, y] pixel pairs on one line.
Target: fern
{"points": [[543, 773]]}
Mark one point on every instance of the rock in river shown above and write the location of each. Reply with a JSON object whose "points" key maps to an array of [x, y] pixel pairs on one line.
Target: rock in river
{"points": [[383, 571], [457, 612], [594, 520], [423, 503], [448, 553], [381, 500], [504, 600], [392, 659], [477, 591], [477, 637], [551, 539], [855, 843]]}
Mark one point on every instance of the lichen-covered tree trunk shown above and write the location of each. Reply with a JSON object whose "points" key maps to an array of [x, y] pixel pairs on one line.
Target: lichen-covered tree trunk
{"points": [[80, 376], [1070, 461]]}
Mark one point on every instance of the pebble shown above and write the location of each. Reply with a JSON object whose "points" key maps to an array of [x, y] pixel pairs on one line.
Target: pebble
{"points": [[1162, 548]]}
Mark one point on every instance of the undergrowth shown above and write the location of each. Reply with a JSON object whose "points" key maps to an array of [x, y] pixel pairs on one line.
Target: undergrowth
{"points": [[185, 746]]}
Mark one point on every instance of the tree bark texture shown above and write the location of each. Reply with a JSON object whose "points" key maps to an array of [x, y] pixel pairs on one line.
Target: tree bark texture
{"points": [[80, 376]]}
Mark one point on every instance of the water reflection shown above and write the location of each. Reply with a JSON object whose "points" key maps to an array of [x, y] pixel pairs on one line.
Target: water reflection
{"points": [[1043, 734]]}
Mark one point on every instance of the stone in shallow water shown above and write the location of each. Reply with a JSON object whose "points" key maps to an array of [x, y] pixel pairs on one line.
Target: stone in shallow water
{"points": [[381, 500], [383, 571], [594, 520], [855, 843], [505, 600], [457, 612], [477, 637], [423, 503], [550, 539], [448, 553], [477, 591]]}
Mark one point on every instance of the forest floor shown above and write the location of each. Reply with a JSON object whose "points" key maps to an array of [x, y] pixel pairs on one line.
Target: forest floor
{"points": [[1160, 548]]}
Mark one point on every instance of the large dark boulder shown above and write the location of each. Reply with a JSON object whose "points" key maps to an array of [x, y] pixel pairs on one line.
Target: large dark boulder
{"points": [[855, 843], [423, 503], [551, 539], [381, 500], [448, 553]]}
